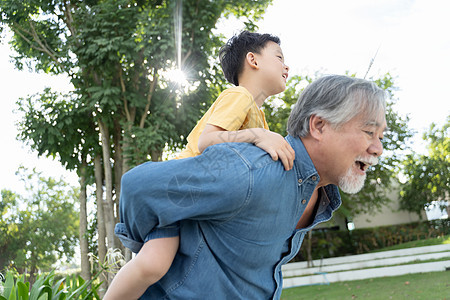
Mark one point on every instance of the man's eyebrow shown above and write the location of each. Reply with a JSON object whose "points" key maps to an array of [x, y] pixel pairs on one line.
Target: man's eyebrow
{"points": [[374, 123]]}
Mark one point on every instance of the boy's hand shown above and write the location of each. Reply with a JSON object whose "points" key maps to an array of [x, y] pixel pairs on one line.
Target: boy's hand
{"points": [[274, 144]]}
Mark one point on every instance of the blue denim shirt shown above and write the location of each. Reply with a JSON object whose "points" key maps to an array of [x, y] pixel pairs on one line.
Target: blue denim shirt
{"points": [[236, 212]]}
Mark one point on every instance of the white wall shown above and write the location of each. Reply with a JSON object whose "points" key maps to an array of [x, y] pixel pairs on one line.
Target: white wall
{"points": [[389, 215]]}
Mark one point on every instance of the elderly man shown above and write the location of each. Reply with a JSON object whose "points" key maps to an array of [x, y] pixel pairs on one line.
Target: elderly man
{"points": [[240, 216]]}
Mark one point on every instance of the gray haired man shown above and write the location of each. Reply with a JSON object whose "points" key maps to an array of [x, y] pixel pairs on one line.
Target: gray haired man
{"points": [[239, 215]]}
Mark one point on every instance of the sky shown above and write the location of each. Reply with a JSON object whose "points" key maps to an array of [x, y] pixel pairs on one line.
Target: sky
{"points": [[409, 39]]}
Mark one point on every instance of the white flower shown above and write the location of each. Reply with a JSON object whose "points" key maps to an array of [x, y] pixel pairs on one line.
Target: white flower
{"points": [[114, 260]]}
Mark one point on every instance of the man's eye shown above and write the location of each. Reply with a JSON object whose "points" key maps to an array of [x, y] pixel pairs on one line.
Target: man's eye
{"points": [[369, 133]]}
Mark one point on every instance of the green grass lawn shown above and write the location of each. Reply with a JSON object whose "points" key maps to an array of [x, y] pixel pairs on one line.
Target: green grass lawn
{"points": [[426, 286]]}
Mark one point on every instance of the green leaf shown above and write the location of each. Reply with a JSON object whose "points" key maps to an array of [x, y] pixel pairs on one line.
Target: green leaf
{"points": [[12, 295], [40, 286], [9, 285], [58, 289], [22, 291]]}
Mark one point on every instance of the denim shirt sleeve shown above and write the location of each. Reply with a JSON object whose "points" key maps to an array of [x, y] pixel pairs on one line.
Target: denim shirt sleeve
{"points": [[156, 196]]}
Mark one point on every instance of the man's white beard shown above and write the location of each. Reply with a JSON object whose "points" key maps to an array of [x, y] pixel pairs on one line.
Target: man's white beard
{"points": [[352, 183]]}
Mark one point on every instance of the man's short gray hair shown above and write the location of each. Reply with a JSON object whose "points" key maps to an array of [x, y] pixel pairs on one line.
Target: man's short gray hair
{"points": [[337, 99]]}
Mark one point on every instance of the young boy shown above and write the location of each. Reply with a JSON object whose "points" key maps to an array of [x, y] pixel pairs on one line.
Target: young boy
{"points": [[255, 64]]}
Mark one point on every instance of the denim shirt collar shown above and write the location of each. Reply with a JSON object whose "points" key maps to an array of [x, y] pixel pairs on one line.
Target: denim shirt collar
{"points": [[305, 169]]}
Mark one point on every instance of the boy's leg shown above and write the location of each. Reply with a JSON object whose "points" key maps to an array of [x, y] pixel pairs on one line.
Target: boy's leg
{"points": [[148, 267]]}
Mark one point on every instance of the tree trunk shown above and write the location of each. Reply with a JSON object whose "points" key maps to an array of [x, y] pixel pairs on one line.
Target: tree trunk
{"points": [[125, 167], [33, 273], [109, 205], [126, 145], [100, 221], [156, 155], [84, 244], [118, 159], [308, 250], [118, 164]]}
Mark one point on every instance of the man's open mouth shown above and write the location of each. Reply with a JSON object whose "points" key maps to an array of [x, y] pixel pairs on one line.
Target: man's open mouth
{"points": [[363, 163], [363, 166]]}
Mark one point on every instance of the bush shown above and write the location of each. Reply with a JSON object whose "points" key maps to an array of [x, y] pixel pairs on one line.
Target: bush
{"points": [[326, 243]]}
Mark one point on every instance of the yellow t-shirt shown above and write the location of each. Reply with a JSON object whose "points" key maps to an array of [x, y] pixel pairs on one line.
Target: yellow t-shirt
{"points": [[233, 110]]}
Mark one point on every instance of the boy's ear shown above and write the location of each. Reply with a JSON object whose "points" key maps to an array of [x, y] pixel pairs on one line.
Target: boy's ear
{"points": [[250, 59], [316, 127]]}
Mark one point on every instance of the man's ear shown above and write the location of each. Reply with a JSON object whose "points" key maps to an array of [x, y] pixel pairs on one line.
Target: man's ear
{"points": [[316, 126], [250, 59]]}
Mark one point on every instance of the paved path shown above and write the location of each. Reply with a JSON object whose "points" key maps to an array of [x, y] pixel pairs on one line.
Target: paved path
{"points": [[371, 265]]}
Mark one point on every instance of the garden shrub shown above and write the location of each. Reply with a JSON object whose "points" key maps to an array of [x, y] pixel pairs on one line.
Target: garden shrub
{"points": [[327, 243]]}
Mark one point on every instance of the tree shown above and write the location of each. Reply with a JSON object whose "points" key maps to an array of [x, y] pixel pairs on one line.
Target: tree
{"points": [[381, 177], [428, 176], [39, 228], [117, 54], [8, 231], [49, 120]]}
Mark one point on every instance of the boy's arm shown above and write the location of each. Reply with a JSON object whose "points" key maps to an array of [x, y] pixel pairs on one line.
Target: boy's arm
{"points": [[149, 266], [271, 142]]}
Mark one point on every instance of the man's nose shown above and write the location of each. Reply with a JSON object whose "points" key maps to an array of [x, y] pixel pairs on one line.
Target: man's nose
{"points": [[376, 147]]}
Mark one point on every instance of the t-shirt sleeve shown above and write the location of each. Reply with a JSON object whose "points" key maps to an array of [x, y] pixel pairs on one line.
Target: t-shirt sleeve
{"points": [[231, 110]]}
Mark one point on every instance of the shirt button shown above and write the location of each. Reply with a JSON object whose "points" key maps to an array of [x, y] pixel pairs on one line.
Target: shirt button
{"points": [[314, 178], [303, 201], [300, 181]]}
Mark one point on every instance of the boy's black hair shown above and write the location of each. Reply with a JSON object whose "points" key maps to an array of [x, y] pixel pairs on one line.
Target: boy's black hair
{"points": [[232, 54]]}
